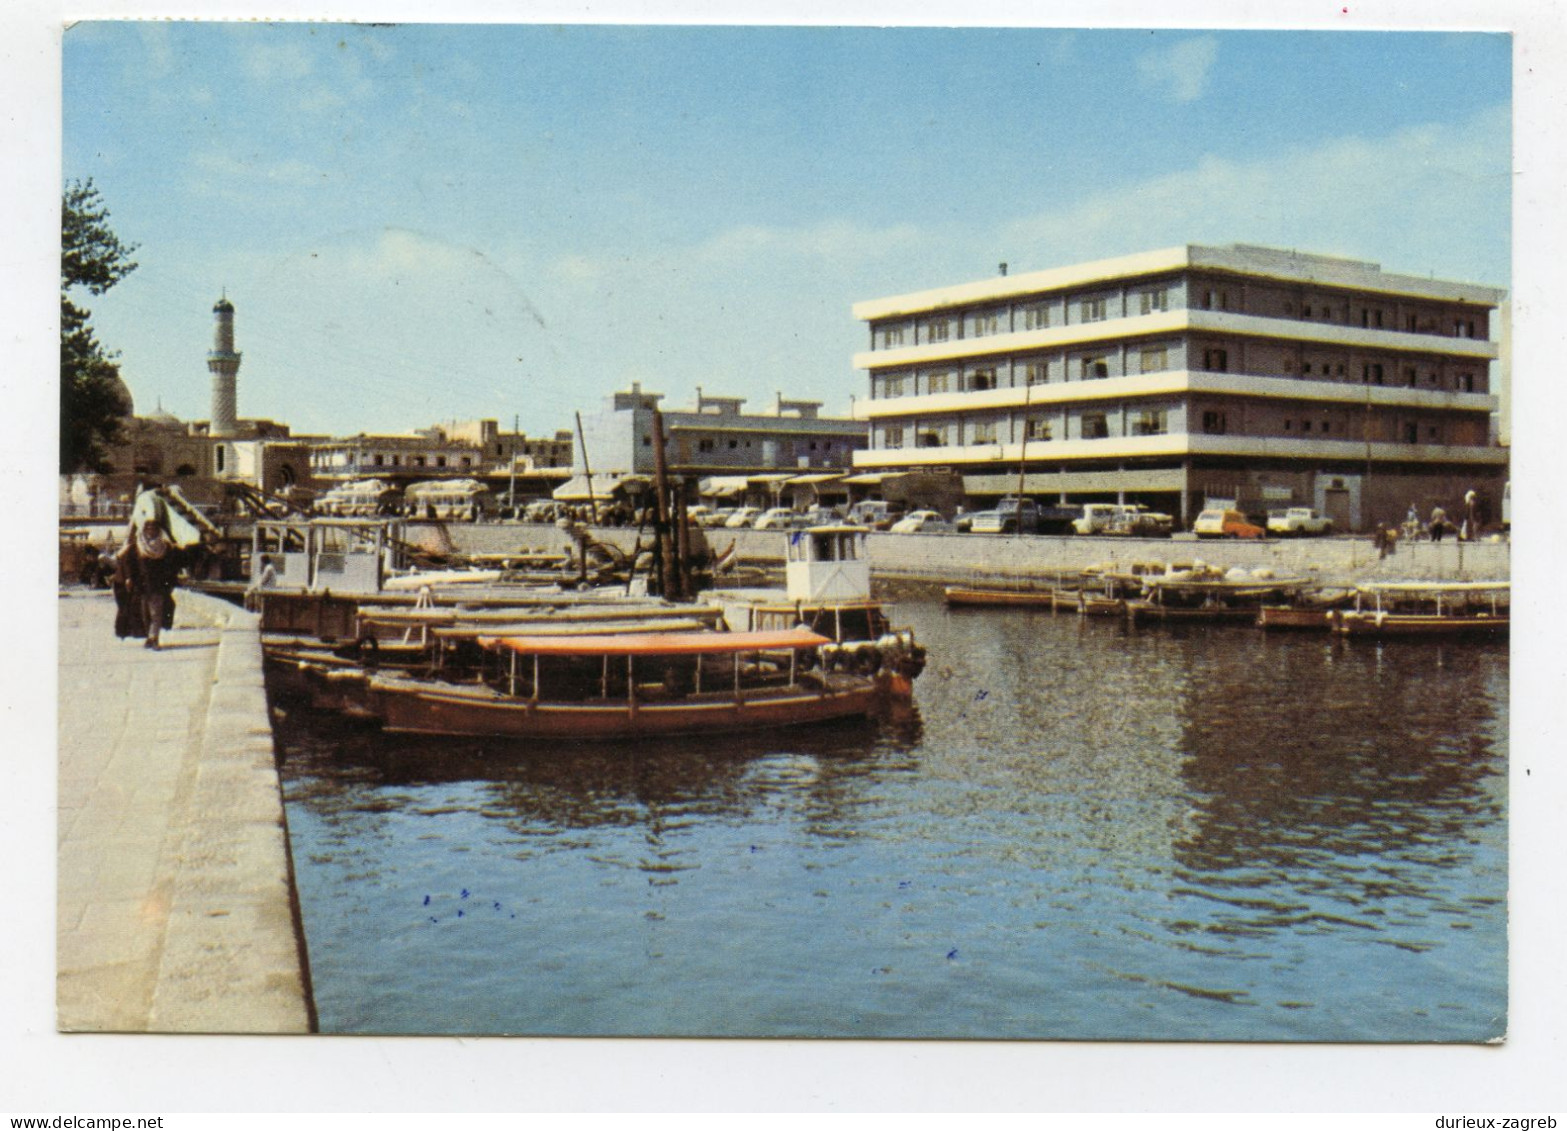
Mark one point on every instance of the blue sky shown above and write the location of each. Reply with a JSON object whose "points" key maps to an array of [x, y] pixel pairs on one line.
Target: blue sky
{"points": [[420, 223]]}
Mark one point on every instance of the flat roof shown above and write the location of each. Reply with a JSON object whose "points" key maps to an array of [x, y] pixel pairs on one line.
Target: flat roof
{"points": [[1244, 259]]}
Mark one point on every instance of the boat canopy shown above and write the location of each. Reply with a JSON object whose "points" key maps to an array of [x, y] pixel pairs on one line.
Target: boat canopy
{"points": [[1434, 586], [657, 643]]}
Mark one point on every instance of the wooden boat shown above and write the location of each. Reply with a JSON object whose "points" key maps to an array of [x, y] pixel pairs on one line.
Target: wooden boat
{"points": [[981, 596], [1210, 599], [1427, 608], [634, 685], [1310, 611]]}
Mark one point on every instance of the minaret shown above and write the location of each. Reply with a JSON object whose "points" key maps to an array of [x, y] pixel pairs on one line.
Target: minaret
{"points": [[223, 363]]}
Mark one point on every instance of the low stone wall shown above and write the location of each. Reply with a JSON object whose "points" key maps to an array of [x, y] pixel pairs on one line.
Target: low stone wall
{"points": [[233, 957], [961, 557]]}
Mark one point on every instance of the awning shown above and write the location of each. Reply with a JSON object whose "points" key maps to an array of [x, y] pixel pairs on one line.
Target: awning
{"points": [[764, 479], [804, 480], [722, 486], [869, 478], [575, 489], [656, 643]]}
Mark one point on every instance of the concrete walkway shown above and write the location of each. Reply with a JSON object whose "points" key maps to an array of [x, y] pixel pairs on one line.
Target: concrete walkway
{"points": [[174, 899]]}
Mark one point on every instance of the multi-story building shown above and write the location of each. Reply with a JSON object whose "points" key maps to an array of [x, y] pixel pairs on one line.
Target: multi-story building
{"points": [[717, 438], [1191, 374]]}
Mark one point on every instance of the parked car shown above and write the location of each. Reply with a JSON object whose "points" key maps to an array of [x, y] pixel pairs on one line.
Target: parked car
{"points": [[777, 518], [1298, 522], [921, 522], [718, 516], [742, 516], [875, 513], [1011, 516], [1225, 524]]}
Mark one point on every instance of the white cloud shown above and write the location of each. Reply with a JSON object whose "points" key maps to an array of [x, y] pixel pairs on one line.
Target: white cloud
{"points": [[1428, 198], [1182, 69]]}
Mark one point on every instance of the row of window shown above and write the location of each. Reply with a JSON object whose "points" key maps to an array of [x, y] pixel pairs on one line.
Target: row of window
{"points": [[1154, 359], [1042, 314], [1096, 425], [709, 444], [378, 459]]}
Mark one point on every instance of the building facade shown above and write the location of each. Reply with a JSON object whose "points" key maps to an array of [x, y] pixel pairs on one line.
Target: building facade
{"points": [[717, 437], [1250, 375]]}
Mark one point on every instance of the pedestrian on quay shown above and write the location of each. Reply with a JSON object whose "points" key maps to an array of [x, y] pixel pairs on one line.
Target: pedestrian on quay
{"points": [[155, 570], [1438, 523]]}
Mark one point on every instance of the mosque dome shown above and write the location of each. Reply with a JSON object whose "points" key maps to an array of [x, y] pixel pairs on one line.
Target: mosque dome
{"points": [[224, 306], [122, 392]]}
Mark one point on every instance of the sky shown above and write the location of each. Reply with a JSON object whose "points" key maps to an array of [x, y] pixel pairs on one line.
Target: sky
{"points": [[427, 223]]}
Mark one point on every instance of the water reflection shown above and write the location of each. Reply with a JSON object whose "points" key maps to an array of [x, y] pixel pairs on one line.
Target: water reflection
{"points": [[1087, 831]]}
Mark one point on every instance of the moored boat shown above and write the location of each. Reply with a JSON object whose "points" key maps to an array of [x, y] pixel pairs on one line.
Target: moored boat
{"points": [[1202, 597], [1427, 608], [631, 685]]}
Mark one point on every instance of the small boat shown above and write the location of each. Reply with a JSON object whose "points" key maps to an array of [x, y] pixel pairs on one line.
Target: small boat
{"points": [[1235, 596], [982, 596], [633, 685], [1310, 611], [1427, 608]]}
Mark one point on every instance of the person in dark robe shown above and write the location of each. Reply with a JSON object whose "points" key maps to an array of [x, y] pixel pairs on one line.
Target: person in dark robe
{"points": [[155, 570]]}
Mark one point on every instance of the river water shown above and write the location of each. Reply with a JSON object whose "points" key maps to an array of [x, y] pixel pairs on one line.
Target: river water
{"points": [[1090, 831]]}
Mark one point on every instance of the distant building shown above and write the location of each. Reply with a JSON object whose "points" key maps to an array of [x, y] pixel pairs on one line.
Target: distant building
{"points": [[716, 438], [1175, 377], [161, 447]]}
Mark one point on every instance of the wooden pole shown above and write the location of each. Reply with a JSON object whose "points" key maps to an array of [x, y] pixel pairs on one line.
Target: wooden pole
{"points": [[666, 549], [588, 470]]}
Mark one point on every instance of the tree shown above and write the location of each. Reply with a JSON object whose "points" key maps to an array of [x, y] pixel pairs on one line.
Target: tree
{"points": [[92, 398]]}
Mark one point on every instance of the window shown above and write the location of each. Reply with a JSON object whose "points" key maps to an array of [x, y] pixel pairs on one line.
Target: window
{"points": [[1095, 426], [1152, 301], [733, 444], [1036, 373], [1036, 317], [221, 449], [1216, 360], [982, 379], [983, 432], [1305, 310], [1371, 373], [891, 336], [1431, 433], [1155, 359], [1327, 426], [1093, 310], [1151, 422], [379, 461], [1411, 432], [1466, 382], [440, 461], [892, 436], [1410, 377], [1305, 426], [705, 445], [1095, 367], [1220, 300], [931, 437], [1305, 369], [1410, 323], [1037, 428], [1214, 423], [892, 386], [985, 322], [940, 329], [940, 382]]}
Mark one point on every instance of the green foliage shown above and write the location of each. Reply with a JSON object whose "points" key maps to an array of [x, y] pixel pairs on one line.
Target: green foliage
{"points": [[92, 397]]}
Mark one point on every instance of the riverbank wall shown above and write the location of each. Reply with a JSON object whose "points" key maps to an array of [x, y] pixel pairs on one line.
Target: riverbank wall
{"points": [[967, 557]]}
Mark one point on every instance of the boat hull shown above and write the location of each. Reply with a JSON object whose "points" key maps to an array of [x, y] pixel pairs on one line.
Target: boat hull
{"points": [[1394, 624], [418, 708], [970, 596], [1292, 618]]}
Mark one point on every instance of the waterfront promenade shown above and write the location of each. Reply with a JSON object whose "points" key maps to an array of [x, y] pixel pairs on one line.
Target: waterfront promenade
{"points": [[174, 897]]}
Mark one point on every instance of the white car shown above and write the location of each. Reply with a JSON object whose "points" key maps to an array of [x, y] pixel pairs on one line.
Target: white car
{"points": [[922, 522], [743, 516], [778, 518]]}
